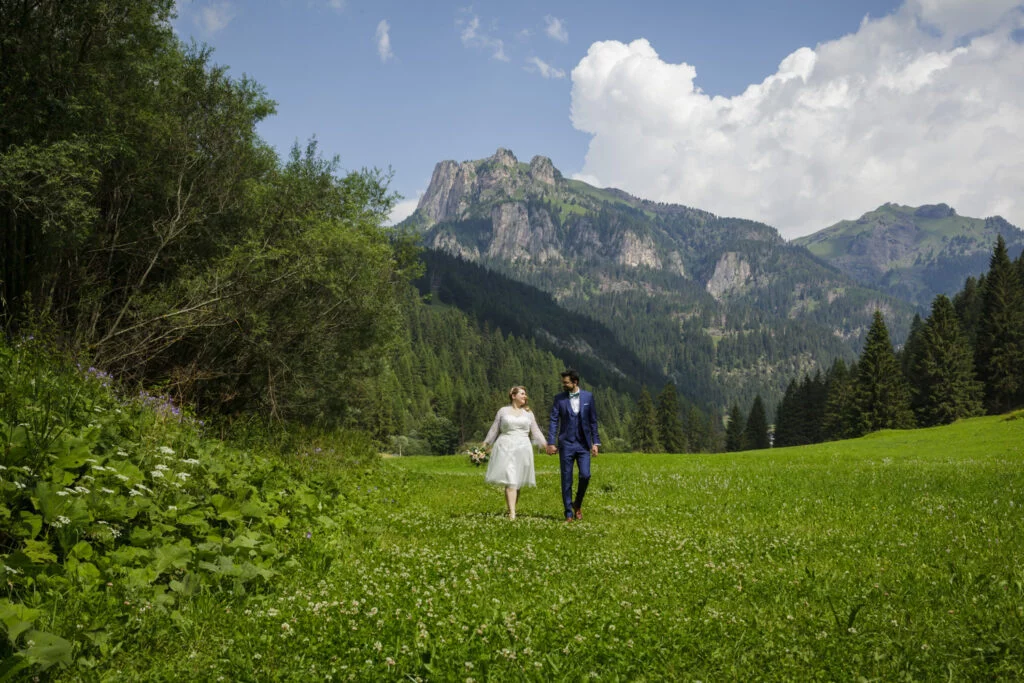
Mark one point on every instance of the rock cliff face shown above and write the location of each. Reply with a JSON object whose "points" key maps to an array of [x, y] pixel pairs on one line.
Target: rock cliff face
{"points": [[732, 273]]}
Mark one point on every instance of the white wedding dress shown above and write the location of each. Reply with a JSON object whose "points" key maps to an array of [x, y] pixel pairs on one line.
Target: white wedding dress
{"points": [[511, 462]]}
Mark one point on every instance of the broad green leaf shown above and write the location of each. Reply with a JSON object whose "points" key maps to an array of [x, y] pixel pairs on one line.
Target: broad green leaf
{"points": [[16, 618], [39, 552], [47, 649]]}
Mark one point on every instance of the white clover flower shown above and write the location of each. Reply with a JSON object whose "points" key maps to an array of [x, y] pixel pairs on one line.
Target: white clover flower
{"points": [[166, 450]]}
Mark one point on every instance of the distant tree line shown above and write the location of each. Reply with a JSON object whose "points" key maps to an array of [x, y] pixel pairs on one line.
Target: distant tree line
{"points": [[965, 359]]}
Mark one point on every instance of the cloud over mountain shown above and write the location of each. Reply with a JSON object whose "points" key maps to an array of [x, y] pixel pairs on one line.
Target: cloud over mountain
{"points": [[921, 106]]}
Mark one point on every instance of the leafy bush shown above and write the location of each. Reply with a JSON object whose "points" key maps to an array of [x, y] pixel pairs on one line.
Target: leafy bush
{"points": [[109, 501]]}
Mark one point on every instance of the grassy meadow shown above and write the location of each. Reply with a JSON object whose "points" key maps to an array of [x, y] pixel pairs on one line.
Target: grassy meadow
{"points": [[893, 557]]}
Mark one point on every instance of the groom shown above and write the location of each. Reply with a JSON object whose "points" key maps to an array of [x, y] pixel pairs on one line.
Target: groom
{"points": [[574, 418]]}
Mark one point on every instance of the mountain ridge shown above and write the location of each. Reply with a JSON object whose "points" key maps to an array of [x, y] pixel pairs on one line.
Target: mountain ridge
{"points": [[723, 306]]}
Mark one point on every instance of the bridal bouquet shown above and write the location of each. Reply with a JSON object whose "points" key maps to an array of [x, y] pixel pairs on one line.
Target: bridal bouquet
{"points": [[477, 456]]}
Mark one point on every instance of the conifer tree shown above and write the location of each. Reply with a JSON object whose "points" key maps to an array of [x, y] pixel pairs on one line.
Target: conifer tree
{"points": [[838, 421], [670, 425], [943, 370], [645, 425], [999, 350], [734, 430], [699, 434], [882, 397], [967, 304], [755, 435], [785, 416]]}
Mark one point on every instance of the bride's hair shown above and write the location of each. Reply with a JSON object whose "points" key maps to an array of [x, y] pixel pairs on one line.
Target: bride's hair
{"points": [[515, 390]]}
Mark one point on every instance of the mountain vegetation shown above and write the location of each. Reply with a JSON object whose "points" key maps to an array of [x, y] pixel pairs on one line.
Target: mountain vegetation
{"points": [[722, 307], [965, 359], [914, 253]]}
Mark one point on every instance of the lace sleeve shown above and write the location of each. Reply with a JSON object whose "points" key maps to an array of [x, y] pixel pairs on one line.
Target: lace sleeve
{"points": [[492, 433], [535, 434]]}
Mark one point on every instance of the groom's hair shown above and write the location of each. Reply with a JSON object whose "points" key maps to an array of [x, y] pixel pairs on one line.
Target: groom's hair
{"points": [[572, 374]]}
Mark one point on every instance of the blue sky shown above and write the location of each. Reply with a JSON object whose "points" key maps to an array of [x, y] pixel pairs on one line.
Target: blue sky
{"points": [[406, 84]]}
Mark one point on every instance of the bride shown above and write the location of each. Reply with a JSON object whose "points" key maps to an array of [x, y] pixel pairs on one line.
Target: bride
{"points": [[511, 463]]}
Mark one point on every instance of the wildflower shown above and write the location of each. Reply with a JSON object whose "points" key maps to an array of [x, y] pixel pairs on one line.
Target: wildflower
{"points": [[81, 489], [60, 521], [172, 508], [19, 484], [122, 477], [285, 626], [133, 492], [389, 661], [190, 461], [162, 468], [183, 475], [166, 450], [106, 490], [157, 474]]}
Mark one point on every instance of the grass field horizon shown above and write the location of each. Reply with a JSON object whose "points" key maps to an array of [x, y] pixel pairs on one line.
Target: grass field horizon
{"points": [[896, 556]]}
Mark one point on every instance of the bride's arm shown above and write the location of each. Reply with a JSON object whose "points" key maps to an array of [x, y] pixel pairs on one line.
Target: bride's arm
{"points": [[536, 435], [492, 433]]}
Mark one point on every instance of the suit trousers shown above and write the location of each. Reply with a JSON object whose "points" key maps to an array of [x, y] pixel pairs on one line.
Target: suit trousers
{"points": [[574, 454]]}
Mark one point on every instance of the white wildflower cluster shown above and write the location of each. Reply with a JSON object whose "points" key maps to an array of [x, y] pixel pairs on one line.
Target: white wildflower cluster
{"points": [[166, 450], [61, 521]]}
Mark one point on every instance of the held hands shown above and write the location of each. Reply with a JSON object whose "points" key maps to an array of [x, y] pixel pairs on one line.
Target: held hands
{"points": [[552, 449]]}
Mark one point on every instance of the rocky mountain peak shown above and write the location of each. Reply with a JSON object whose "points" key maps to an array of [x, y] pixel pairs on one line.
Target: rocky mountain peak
{"points": [[543, 171]]}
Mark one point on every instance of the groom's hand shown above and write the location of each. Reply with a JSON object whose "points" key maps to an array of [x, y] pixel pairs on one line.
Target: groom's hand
{"points": [[593, 450], [552, 449]]}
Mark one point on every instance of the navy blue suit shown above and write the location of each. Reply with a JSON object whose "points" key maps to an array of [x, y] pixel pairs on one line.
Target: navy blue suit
{"points": [[577, 432]]}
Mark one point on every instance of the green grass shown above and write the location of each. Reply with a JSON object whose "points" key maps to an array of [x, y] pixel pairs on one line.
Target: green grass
{"points": [[897, 556]]}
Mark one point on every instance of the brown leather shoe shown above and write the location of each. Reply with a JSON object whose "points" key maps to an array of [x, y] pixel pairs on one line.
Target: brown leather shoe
{"points": [[577, 513]]}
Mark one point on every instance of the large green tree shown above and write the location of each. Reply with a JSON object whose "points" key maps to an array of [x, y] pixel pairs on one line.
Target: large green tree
{"points": [[881, 394], [755, 433], [943, 370], [999, 349], [670, 423], [644, 431], [734, 430]]}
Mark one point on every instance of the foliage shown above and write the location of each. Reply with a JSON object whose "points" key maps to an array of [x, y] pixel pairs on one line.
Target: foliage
{"points": [[942, 373], [141, 211], [107, 501], [644, 428], [999, 349], [670, 424], [734, 430], [755, 433], [881, 394]]}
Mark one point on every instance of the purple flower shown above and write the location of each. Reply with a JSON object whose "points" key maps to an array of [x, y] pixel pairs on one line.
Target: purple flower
{"points": [[309, 534]]}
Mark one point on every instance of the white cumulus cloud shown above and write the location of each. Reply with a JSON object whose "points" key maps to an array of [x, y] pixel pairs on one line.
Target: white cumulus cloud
{"points": [[556, 29], [404, 209], [473, 36], [923, 106], [384, 41], [545, 69], [215, 17]]}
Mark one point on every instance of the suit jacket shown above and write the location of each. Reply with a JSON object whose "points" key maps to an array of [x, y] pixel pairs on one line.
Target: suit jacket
{"points": [[561, 411]]}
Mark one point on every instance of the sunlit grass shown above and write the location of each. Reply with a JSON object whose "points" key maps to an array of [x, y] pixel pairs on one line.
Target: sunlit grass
{"points": [[896, 556]]}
